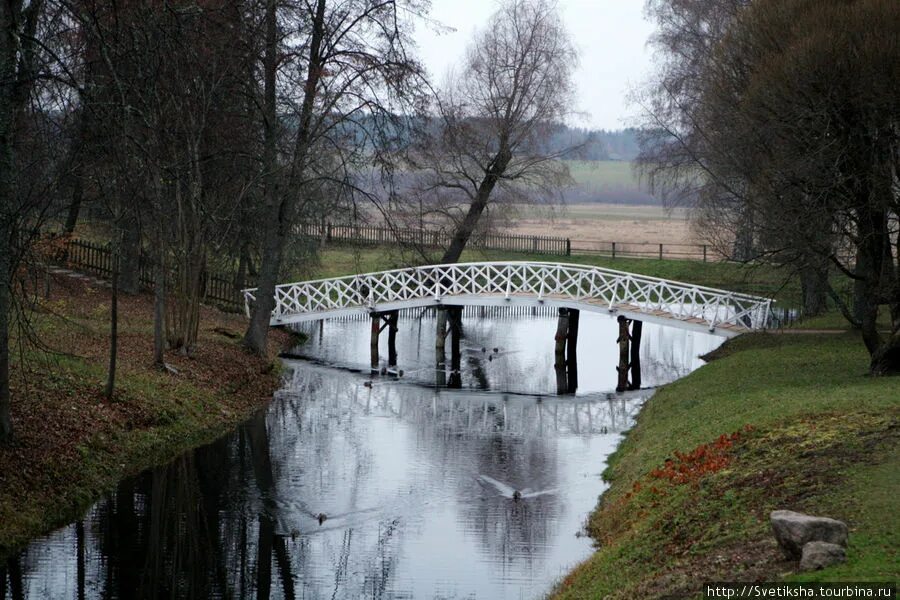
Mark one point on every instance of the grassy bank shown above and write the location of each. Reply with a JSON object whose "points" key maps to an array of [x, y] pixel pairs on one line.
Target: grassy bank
{"points": [[72, 445], [774, 421]]}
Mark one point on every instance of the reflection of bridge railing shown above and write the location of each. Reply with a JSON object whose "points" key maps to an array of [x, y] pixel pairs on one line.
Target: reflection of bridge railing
{"points": [[529, 283], [470, 413]]}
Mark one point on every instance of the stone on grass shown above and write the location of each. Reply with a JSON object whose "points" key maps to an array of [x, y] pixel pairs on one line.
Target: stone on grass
{"points": [[818, 555], [794, 530]]}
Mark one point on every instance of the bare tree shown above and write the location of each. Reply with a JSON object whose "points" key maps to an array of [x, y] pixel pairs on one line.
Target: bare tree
{"points": [[348, 77], [790, 131], [33, 95], [487, 138], [170, 84]]}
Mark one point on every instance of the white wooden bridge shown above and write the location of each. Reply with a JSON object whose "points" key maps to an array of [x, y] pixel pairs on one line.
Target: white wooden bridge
{"points": [[572, 286]]}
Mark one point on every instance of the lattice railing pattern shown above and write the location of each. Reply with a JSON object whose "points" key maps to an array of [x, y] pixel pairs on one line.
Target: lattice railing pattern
{"points": [[563, 283]]}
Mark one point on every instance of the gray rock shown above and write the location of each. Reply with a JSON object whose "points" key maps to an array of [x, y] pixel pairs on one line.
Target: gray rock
{"points": [[818, 555], [794, 530]]}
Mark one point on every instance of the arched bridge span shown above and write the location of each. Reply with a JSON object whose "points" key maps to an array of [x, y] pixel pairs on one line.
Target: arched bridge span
{"points": [[580, 287]]}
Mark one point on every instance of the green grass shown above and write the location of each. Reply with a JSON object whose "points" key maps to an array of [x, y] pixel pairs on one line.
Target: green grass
{"points": [[762, 379], [603, 174], [184, 416], [824, 441], [72, 444]]}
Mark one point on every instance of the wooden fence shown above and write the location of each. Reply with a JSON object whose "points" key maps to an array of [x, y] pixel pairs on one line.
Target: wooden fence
{"points": [[372, 235], [700, 252], [217, 289]]}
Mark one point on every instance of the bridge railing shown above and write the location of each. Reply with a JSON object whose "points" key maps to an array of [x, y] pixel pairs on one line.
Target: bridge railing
{"points": [[607, 288]]}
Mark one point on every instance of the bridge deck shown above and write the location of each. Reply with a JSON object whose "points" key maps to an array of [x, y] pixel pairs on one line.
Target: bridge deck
{"points": [[516, 283]]}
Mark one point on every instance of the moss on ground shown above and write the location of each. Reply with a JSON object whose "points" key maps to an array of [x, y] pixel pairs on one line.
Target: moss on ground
{"points": [[804, 428]]}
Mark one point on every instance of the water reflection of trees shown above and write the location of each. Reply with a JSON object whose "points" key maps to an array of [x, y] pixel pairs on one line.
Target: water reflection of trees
{"points": [[239, 518], [504, 437]]}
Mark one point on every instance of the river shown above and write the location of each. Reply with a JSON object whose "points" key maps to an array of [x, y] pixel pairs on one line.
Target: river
{"points": [[353, 486]]}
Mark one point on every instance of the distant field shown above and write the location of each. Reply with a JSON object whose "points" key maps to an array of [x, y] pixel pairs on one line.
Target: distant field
{"points": [[607, 222], [603, 174], [607, 181]]}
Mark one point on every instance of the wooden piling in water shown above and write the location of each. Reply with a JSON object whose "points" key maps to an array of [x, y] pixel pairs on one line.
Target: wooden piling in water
{"points": [[623, 340], [391, 318], [562, 335], [454, 317], [560, 339], [572, 350], [440, 338], [636, 330], [373, 341]]}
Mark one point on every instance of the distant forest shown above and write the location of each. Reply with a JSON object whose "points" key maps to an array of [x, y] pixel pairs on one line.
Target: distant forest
{"points": [[600, 162], [602, 166], [596, 144]]}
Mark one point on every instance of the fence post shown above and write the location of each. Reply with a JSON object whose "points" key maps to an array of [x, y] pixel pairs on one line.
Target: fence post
{"points": [[328, 232], [660, 251], [704, 252], [568, 247], [613, 249]]}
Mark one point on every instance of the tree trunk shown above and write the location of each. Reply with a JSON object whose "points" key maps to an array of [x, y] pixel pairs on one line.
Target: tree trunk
{"points": [[6, 429], [113, 329], [6, 268], [74, 204], [743, 239], [130, 264], [159, 308], [872, 265], [476, 208], [814, 287], [886, 360], [281, 207], [244, 264]]}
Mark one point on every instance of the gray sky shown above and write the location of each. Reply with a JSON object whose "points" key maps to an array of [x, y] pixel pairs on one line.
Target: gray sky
{"points": [[610, 35]]}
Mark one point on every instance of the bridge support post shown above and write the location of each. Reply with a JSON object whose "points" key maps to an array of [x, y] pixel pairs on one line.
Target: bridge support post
{"points": [[454, 317], [391, 319], [623, 341], [636, 330], [562, 334], [560, 339], [379, 322], [373, 341], [572, 350], [566, 351], [440, 339]]}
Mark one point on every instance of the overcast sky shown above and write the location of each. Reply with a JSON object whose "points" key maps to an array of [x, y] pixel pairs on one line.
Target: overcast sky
{"points": [[611, 37]]}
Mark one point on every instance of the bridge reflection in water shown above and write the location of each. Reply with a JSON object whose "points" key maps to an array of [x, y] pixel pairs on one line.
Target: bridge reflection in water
{"points": [[484, 413], [508, 349], [350, 486]]}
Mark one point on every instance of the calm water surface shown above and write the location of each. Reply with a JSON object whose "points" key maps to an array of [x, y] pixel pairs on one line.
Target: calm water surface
{"points": [[354, 487]]}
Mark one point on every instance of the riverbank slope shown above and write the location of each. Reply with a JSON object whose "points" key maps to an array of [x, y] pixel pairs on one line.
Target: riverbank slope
{"points": [[72, 445], [773, 421]]}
